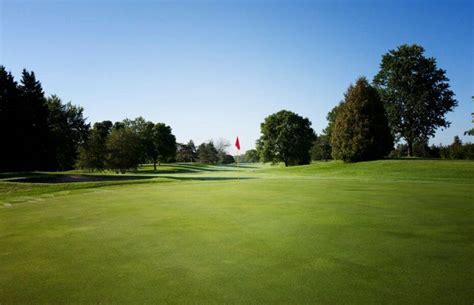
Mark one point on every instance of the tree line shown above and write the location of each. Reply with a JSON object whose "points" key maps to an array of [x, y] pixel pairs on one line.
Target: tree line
{"points": [[407, 100], [37, 133], [124, 145], [43, 133]]}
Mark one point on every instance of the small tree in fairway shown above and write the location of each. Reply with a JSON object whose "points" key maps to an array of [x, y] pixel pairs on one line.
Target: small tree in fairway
{"points": [[286, 137], [361, 129]]}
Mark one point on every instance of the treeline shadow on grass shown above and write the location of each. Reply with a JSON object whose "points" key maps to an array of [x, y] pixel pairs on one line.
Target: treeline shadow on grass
{"points": [[183, 168], [209, 178], [61, 178]]}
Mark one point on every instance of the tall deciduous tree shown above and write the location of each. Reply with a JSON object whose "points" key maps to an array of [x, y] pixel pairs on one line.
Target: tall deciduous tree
{"points": [[221, 145], [470, 132], [145, 131], [361, 130], [286, 137], [123, 149], [207, 153], [92, 154], [415, 92], [164, 144], [186, 152], [251, 156], [68, 130]]}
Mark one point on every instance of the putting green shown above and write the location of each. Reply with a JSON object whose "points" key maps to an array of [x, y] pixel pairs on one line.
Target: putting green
{"points": [[383, 232]]}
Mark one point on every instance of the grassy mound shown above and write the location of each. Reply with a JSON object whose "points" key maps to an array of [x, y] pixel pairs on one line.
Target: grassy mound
{"points": [[404, 169]]}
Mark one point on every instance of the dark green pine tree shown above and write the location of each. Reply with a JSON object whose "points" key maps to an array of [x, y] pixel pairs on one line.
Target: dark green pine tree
{"points": [[34, 134], [361, 129], [10, 113]]}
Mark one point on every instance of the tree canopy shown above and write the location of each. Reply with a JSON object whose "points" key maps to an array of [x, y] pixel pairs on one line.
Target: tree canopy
{"points": [[164, 143], [286, 137], [415, 92], [123, 150], [251, 156], [38, 133], [470, 132], [207, 153], [186, 152], [361, 130]]}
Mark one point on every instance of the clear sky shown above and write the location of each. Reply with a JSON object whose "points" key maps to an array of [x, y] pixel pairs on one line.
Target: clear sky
{"points": [[216, 69]]}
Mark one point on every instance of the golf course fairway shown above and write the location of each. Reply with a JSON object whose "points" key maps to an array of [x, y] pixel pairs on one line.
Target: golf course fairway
{"points": [[382, 232]]}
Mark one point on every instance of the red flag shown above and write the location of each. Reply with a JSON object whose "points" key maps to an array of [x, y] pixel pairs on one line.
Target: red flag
{"points": [[237, 143]]}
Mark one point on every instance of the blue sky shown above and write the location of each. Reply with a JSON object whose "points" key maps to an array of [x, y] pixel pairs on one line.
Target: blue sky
{"points": [[216, 69]]}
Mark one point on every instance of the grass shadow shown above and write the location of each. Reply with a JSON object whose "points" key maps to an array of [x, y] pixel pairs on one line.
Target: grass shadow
{"points": [[181, 168], [207, 178], [61, 178]]}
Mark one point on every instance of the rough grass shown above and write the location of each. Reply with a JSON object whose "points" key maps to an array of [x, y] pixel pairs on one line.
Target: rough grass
{"points": [[383, 232]]}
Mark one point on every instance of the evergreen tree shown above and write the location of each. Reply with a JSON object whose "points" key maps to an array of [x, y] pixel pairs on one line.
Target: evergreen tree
{"points": [[10, 124], [34, 133], [456, 149], [331, 118], [361, 129]]}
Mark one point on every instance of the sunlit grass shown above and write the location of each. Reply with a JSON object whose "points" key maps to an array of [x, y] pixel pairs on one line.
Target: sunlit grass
{"points": [[382, 232]]}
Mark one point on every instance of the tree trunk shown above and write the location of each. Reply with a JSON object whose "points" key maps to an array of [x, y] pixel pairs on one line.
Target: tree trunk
{"points": [[154, 165], [410, 148]]}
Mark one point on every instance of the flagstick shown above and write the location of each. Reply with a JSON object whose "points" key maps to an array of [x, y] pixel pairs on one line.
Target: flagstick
{"points": [[237, 145], [238, 164]]}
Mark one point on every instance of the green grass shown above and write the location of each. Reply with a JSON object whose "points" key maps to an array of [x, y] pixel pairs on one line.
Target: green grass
{"points": [[382, 232]]}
